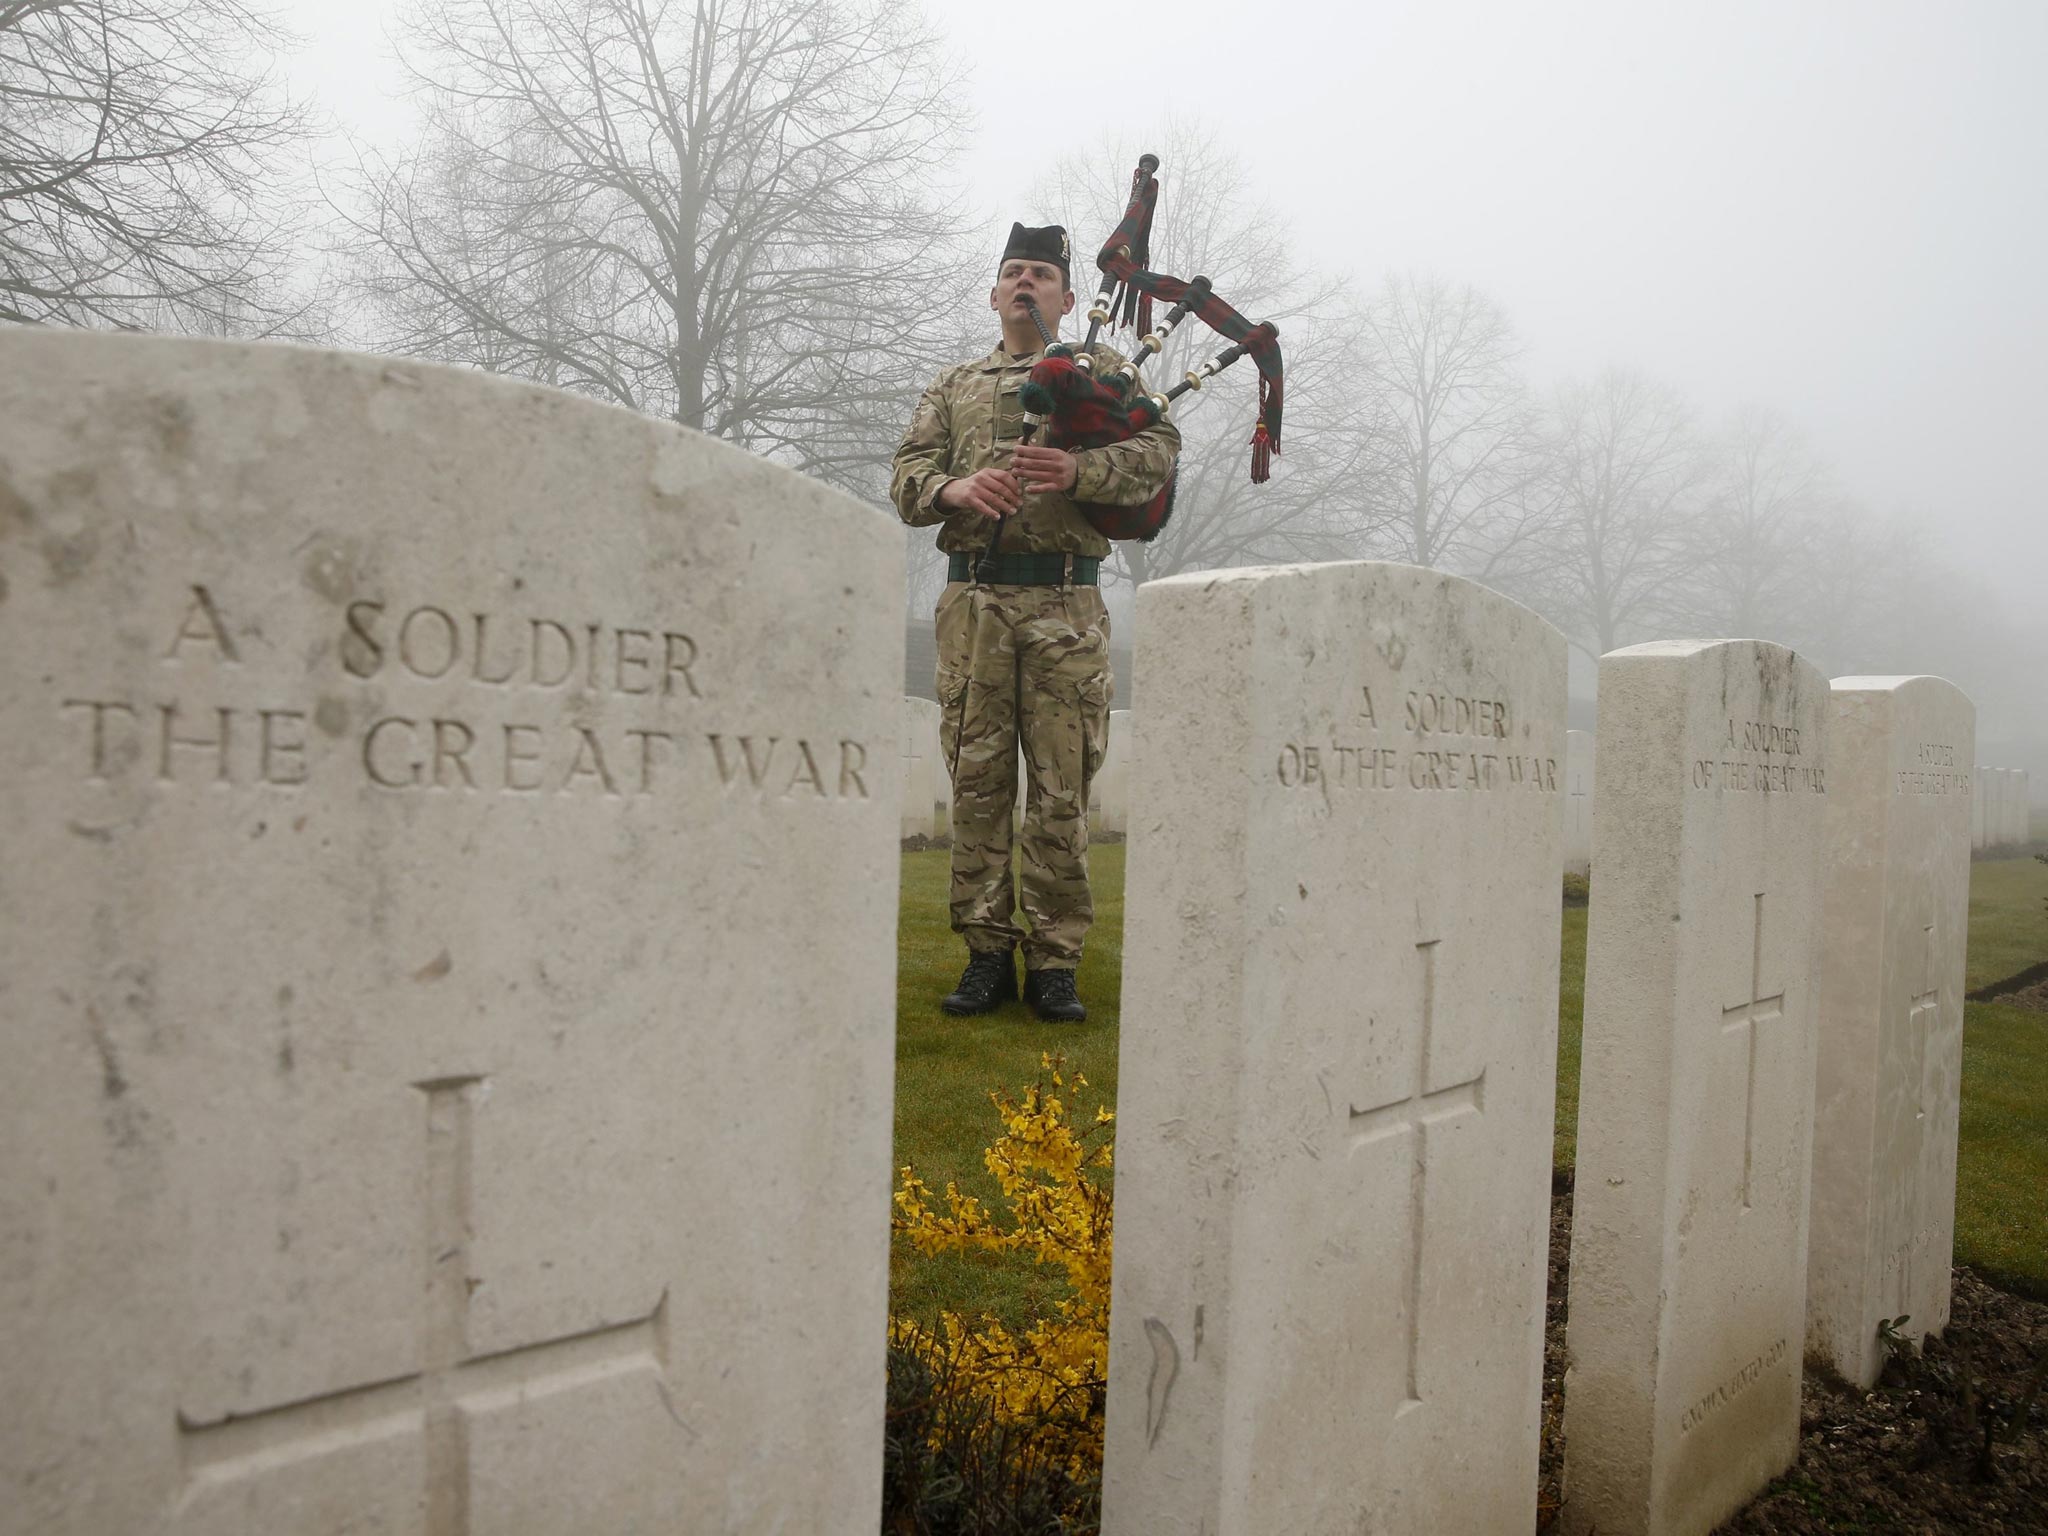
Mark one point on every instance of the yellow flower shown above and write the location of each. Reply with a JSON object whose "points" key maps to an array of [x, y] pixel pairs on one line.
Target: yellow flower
{"points": [[1054, 1377]]}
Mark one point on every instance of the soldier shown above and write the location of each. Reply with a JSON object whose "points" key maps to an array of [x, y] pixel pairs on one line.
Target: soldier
{"points": [[1024, 657]]}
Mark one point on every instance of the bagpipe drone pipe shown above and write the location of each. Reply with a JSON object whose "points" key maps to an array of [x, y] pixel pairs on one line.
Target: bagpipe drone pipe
{"points": [[1078, 409]]}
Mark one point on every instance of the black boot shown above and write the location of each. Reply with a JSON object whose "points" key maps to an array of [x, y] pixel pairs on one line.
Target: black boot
{"points": [[989, 981], [1051, 995]]}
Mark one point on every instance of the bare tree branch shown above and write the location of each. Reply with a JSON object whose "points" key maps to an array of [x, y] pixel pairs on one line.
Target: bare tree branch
{"points": [[139, 146], [1211, 222], [1765, 487], [722, 213], [1626, 471], [1458, 485]]}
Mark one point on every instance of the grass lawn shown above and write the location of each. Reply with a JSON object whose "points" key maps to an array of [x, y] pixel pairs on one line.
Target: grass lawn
{"points": [[1571, 1016], [945, 1069], [2008, 919], [2002, 1160]]}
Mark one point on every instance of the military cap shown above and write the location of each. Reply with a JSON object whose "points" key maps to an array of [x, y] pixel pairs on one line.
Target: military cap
{"points": [[1046, 244]]}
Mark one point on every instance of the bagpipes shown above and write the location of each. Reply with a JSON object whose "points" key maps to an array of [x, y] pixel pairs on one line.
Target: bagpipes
{"points": [[1079, 410]]}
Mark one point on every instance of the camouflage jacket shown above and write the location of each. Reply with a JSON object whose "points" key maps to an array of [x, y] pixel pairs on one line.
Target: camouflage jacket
{"points": [[969, 419]]}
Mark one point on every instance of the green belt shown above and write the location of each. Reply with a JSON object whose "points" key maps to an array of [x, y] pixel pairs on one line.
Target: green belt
{"points": [[1029, 570]]}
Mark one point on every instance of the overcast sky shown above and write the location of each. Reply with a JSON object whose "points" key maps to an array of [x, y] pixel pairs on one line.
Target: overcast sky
{"points": [[1833, 207]]}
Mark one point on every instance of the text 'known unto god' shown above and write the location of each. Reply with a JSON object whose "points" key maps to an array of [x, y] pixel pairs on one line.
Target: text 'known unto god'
{"points": [[1701, 1409]]}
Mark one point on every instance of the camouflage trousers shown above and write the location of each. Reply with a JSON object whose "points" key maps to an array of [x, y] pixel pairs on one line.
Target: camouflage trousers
{"points": [[1023, 666]]}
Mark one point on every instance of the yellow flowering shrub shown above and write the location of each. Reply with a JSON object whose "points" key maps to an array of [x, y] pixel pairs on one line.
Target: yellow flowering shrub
{"points": [[1051, 1378]]}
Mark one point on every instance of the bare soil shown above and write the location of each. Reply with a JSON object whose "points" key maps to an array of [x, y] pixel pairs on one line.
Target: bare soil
{"points": [[2029, 989], [1934, 1449], [2034, 997]]}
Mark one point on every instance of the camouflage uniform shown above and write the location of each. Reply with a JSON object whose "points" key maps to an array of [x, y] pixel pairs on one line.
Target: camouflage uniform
{"points": [[1029, 662]]}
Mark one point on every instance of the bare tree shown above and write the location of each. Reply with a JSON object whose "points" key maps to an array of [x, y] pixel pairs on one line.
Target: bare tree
{"points": [[1850, 569], [1211, 222], [1459, 487], [720, 213], [1867, 587], [139, 151], [1222, 519], [1756, 529], [1625, 469]]}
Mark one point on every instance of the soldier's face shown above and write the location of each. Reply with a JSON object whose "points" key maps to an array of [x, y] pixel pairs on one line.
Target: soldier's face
{"points": [[1041, 282]]}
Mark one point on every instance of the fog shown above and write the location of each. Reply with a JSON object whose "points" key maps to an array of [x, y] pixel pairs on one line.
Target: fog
{"points": [[1825, 213], [1833, 209]]}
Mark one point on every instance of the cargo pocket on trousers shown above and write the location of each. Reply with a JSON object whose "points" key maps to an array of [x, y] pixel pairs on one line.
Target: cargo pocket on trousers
{"points": [[1094, 724], [951, 687]]}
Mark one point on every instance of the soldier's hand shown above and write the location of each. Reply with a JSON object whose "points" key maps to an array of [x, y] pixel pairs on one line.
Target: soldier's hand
{"points": [[1046, 469], [991, 492]]}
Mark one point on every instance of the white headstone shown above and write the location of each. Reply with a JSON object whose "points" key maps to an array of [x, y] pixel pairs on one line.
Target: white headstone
{"points": [[1688, 1269], [449, 951], [1109, 796], [922, 770], [1579, 754], [2022, 806], [1976, 808], [1889, 1077], [1998, 813], [1338, 1056]]}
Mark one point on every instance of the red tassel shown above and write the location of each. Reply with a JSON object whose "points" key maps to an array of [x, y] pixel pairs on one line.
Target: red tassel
{"points": [[1145, 315], [1141, 238], [1264, 444]]}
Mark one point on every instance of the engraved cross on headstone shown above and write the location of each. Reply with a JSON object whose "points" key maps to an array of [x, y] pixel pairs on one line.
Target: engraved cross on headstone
{"points": [[436, 1400], [1746, 1017], [1578, 798], [922, 817], [1919, 1020], [1412, 1115]]}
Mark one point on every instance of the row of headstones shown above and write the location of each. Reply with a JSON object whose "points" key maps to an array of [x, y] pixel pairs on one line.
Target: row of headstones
{"points": [[1339, 1059], [928, 781], [449, 994], [2000, 814], [1999, 805], [1883, 1194]]}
